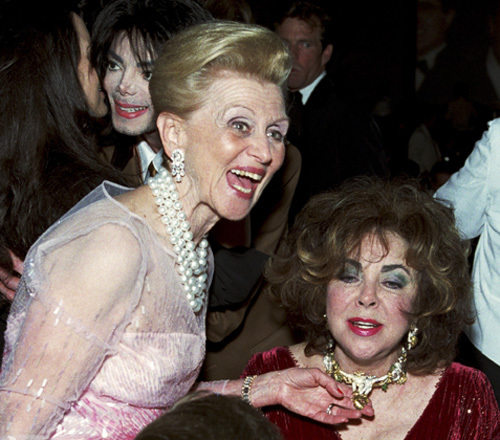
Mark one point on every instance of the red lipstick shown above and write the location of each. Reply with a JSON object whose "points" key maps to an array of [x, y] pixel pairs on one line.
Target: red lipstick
{"points": [[129, 111], [364, 326]]}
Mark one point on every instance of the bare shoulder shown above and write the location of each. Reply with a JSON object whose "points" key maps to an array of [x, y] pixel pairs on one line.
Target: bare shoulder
{"points": [[303, 361]]}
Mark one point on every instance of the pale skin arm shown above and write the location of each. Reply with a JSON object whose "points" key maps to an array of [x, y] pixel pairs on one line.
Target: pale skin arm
{"points": [[9, 281], [305, 391]]}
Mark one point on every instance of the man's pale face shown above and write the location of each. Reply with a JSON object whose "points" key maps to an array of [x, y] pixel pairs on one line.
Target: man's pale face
{"points": [[127, 85], [309, 58]]}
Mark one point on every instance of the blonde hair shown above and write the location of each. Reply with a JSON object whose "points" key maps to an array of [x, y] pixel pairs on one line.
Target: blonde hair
{"points": [[190, 61]]}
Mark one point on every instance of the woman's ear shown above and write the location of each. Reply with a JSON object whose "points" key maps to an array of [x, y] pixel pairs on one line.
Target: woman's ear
{"points": [[170, 128]]}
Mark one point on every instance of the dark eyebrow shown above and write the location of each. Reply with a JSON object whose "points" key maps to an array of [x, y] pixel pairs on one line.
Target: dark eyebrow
{"points": [[144, 65], [354, 263], [386, 268], [112, 54], [390, 267]]}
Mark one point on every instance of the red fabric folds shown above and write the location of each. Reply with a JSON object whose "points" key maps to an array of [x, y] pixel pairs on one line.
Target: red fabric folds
{"points": [[463, 406]]}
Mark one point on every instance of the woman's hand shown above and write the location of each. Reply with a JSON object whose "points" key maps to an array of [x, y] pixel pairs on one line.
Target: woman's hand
{"points": [[308, 392], [9, 282]]}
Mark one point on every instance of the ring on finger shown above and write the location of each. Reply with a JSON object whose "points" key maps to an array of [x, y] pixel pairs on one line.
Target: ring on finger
{"points": [[329, 409]]}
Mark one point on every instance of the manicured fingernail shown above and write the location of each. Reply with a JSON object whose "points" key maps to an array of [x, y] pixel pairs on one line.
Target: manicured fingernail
{"points": [[340, 391]]}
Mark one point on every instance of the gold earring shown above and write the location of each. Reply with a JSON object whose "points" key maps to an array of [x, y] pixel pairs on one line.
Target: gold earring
{"points": [[412, 337]]}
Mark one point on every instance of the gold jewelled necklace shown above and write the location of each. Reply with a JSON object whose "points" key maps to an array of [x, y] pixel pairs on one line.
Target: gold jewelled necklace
{"points": [[362, 384]]}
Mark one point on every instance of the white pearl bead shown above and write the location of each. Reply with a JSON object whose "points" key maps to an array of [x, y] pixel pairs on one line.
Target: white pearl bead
{"points": [[191, 263]]}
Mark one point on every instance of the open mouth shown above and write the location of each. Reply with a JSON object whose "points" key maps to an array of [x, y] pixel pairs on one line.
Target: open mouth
{"points": [[131, 109], [364, 325], [244, 181]]}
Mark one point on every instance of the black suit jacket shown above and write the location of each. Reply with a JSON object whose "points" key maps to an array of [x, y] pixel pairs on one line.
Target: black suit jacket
{"points": [[337, 141]]}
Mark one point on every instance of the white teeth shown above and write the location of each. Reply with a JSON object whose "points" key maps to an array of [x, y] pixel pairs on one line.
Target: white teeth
{"points": [[364, 324], [133, 109], [243, 190], [253, 176]]}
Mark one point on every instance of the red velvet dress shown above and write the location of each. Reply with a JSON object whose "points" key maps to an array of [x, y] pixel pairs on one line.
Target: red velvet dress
{"points": [[463, 406]]}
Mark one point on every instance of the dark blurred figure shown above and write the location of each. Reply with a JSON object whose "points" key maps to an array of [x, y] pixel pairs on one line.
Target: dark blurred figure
{"points": [[440, 173], [484, 87], [451, 85], [437, 62], [447, 73], [235, 10], [211, 417], [336, 139], [423, 148]]}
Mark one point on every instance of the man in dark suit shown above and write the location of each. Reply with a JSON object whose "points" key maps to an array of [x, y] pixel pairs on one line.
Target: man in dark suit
{"points": [[336, 140]]}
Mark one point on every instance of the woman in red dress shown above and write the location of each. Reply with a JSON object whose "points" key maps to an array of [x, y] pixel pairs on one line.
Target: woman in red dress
{"points": [[376, 277]]}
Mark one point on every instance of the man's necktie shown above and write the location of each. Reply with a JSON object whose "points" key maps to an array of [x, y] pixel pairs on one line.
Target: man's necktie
{"points": [[423, 66], [151, 170], [296, 113]]}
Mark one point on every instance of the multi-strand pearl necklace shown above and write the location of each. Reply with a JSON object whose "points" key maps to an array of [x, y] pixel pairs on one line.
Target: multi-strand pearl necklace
{"points": [[191, 260]]}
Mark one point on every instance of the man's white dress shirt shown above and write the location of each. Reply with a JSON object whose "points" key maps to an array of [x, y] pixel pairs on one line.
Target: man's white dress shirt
{"points": [[474, 191]]}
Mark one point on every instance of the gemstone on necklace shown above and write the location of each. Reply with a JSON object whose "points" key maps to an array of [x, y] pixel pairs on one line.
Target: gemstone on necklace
{"points": [[362, 384]]}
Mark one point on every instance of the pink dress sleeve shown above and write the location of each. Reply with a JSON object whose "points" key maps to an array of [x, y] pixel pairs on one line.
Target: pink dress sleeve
{"points": [[71, 310]]}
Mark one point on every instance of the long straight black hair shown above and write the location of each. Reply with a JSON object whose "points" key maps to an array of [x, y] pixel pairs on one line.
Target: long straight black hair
{"points": [[49, 158]]}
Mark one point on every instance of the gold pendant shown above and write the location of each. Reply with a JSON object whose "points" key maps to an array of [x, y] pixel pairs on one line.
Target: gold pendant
{"points": [[359, 400]]}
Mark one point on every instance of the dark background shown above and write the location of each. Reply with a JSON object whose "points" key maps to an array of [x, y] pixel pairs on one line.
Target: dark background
{"points": [[374, 51]]}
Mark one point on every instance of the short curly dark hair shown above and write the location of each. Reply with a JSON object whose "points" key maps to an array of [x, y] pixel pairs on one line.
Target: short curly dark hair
{"points": [[332, 226]]}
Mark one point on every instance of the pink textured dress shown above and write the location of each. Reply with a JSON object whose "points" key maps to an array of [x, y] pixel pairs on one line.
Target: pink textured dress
{"points": [[100, 338]]}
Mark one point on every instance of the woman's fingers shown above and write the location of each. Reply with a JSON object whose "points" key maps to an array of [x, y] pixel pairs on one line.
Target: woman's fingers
{"points": [[9, 282], [17, 263], [310, 392]]}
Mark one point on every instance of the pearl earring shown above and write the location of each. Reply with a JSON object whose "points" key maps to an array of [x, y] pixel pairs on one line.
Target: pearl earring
{"points": [[178, 164]]}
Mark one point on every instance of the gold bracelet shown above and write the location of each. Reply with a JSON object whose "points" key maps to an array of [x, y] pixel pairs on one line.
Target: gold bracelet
{"points": [[247, 386]]}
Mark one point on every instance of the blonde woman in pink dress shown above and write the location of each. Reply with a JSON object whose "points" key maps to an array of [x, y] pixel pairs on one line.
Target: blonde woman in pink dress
{"points": [[107, 329]]}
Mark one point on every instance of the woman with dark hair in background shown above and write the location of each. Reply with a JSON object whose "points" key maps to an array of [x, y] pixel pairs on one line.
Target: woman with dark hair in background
{"points": [[50, 109]]}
